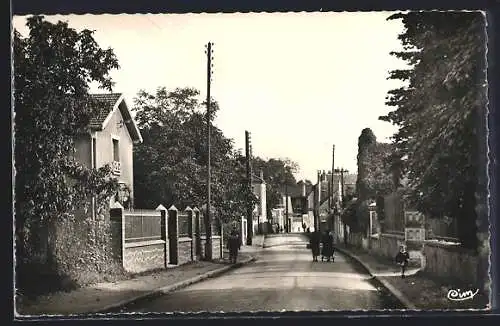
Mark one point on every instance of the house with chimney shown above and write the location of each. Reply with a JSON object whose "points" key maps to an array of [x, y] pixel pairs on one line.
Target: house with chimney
{"points": [[110, 140]]}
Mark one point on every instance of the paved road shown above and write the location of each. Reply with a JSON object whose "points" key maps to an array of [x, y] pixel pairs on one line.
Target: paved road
{"points": [[283, 278]]}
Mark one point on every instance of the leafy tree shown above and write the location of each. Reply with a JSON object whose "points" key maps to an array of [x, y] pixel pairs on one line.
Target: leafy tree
{"points": [[353, 217], [170, 166], [53, 67], [439, 112], [365, 140], [377, 180], [374, 179]]}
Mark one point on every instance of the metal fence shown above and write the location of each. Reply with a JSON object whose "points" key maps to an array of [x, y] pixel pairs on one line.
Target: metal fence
{"points": [[215, 226], [202, 226], [184, 221], [142, 225]]}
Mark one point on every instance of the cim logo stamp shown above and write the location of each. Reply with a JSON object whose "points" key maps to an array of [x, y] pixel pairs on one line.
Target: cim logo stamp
{"points": [[458, 295]]}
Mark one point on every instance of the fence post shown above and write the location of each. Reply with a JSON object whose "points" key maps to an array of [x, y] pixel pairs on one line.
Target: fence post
{"points": [[173, 238], [189, 212], [197, 235], [221, 246], [243, 229], [164, 231], [117, 219]]}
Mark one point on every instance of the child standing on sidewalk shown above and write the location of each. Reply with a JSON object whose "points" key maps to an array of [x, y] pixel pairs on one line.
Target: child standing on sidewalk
{"points": [[402, 259]]}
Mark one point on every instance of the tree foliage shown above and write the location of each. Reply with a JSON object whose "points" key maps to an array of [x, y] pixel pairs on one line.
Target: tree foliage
{"points": [[170, 166], [374, 177], [365, 140], [438, 112], [378, 179], [53, 67]]}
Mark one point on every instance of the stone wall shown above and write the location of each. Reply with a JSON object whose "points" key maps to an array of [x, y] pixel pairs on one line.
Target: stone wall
{"points": [[203, 240], [185, 250], [450, 261], [139, 254], [386, 245], [216, 246], [143, 256]]}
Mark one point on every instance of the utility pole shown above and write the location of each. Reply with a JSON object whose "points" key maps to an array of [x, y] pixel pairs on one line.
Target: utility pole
{"points": [[329, 193], [318, 201], [249, 181], [342, 170], [332, 203], [329, 216], [343, 201], [333, 170], [286, 208], [208, 218]]}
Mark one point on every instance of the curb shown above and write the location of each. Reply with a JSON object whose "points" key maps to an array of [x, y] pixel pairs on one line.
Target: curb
{"points": [[395, 292], [170, 288]]}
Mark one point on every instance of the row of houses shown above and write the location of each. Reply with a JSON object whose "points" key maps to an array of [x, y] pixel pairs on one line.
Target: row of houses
{"points": [[305, 200]]}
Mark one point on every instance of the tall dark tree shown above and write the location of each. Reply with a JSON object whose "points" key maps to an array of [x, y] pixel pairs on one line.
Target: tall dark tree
{"points": [[53, 67], [365, 140], [439, 113]]}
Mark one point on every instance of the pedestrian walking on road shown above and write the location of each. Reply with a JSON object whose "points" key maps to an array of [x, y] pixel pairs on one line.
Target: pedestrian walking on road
{"points": [[402, 259], [234, 244], [327, 250], [332, 239], [314, 242]]}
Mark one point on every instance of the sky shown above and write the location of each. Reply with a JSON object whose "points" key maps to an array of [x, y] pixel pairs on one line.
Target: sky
{"points": [[298, 82]]}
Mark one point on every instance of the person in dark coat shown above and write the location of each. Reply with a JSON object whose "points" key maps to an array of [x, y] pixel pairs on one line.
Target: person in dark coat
{"points": [[402, 259], [327, 250], [332, 241], [314, 242], [234, 244]]}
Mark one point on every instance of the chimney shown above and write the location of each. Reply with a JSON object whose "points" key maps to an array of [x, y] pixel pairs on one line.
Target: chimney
{"points": [[303, 189], [262, 174]]}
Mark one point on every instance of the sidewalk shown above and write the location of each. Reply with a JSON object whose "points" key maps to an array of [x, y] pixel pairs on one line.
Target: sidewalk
{"points": [[102, 297], [416, 291]]}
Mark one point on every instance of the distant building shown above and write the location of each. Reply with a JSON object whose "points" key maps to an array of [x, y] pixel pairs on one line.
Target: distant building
{"points": [[331, 194], [260, 210], [298, 206]]}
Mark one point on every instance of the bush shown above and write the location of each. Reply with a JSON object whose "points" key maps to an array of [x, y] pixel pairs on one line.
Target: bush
{"points": [[83, 250], [78, 253]]}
